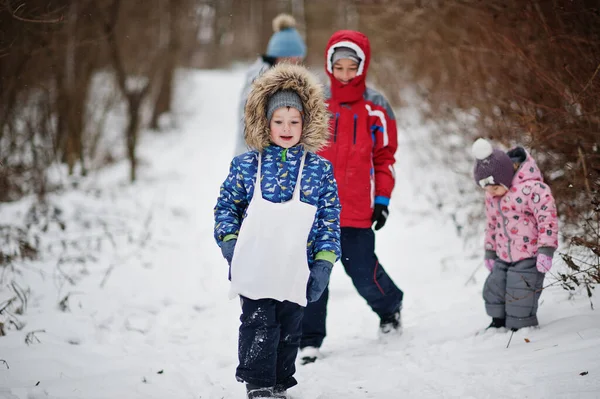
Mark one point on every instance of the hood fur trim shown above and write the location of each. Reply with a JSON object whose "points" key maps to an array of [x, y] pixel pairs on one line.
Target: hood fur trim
{"points": [[315, 128]]}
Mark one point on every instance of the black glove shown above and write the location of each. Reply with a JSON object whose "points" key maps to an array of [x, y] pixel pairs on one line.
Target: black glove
{"points": [[380, 215]]}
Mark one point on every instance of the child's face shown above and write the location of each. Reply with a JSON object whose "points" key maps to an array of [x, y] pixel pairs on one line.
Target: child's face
{"points": [[496, 190], [286, 127], [345, 70]]}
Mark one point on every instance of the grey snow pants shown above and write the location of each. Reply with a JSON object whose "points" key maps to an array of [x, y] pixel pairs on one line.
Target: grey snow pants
{"points": [[512, 291]]}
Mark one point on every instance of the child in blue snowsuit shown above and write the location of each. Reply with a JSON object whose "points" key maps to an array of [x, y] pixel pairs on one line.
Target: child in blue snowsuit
{"points": [[277, 223]]}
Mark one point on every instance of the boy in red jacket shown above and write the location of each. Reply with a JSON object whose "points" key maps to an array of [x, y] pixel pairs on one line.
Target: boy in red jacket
{"points": [[361, 148]]}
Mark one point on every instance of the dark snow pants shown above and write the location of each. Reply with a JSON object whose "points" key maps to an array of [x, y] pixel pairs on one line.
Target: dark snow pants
{"points": [[369, 278], [512, 291], [268, 342]]}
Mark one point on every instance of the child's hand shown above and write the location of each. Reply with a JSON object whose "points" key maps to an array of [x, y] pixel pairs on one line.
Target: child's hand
{"points": [[380, 215], [543, 263], [489, 263], [318, 279], [227, 248]]}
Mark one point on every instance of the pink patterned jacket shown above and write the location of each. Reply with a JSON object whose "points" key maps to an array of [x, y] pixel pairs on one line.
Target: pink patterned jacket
{"points": [[523, 221]]}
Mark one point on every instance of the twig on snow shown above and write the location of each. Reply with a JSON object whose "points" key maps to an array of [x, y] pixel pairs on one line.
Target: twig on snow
{"points": [[30, 337], [21, 295], [471, 277], [108, 272], [510, 339], [6, 304]]}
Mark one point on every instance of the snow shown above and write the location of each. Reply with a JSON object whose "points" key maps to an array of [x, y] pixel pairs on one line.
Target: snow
{"points": [[130, 299]]}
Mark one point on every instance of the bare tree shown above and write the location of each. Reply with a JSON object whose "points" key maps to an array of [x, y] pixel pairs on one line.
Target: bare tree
{"points": [[134, 93], [172, 56]]}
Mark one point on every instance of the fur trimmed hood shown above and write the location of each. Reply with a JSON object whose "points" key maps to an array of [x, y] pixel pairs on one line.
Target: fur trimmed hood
{"points": [[315, 128]]}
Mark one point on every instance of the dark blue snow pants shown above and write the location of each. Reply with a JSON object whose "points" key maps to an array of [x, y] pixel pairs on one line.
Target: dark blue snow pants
{"points": [[268, 342], [369, 278]]}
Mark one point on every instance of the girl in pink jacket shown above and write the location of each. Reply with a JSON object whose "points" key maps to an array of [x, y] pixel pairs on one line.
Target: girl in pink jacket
{"points": [[521, 234]]}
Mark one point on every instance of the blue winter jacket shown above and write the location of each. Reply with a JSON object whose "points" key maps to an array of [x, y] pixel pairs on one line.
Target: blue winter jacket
{"points": [[279, 174]]}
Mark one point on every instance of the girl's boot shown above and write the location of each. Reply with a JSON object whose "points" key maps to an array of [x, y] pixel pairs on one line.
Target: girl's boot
{"points": [[497, 323]]}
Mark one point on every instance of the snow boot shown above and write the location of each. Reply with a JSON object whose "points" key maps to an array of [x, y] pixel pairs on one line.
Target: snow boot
{"points": [[497, 323], [391, 323], [309, 354], [279, 392], [256, 392]]}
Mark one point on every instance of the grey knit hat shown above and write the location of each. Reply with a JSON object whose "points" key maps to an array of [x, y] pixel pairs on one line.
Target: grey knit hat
{"points": [[492, 166], [283, 98], [341, 53]]}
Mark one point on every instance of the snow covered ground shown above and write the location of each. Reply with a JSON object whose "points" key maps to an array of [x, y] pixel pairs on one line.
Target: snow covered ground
{"points": [[130, 300]]}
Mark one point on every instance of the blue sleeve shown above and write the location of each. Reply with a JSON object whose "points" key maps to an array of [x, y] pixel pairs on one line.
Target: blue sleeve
{"points": [[327, 236], [231, 204]]}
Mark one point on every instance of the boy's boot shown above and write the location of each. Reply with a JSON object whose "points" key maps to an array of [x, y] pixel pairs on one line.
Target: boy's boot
{"points": [[497, 323], [279, 392], [391, 323], [256, 392]]}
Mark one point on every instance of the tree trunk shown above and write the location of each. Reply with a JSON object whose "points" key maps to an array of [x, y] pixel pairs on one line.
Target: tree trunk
{"points": [[134, 97], [72, 82], [165, 94], [133, 127]]}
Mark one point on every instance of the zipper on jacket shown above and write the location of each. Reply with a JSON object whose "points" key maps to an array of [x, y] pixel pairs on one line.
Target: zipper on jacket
{"points": [[505, 231], [354, 134], [284, 155], [337, 116]]}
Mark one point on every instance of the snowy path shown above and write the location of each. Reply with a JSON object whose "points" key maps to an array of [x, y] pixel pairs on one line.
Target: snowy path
{"points": [[159, 324]]}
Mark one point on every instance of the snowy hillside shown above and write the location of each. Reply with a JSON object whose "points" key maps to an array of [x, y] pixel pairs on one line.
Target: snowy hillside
{"points": [[139, 308]]}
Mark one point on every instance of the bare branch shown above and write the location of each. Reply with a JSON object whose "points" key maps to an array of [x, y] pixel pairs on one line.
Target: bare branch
{"points": [[13, 13], [31, 338]]}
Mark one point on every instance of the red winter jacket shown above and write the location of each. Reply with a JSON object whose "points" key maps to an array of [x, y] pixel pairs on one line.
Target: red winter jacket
{"points": [[363, 137]]}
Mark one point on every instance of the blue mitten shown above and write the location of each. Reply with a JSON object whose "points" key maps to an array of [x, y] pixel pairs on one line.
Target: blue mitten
{"points": [[227, 248], [318, 279]]}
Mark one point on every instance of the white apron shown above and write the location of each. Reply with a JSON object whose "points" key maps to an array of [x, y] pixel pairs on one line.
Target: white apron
{"points": [[270, 260]]}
